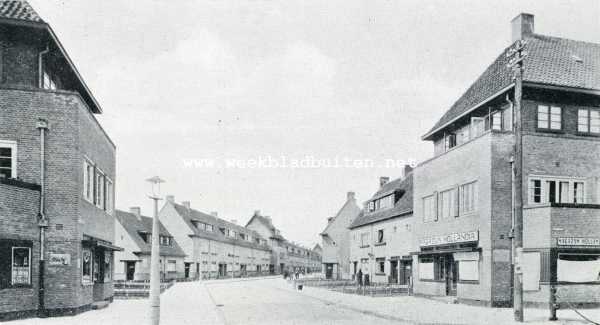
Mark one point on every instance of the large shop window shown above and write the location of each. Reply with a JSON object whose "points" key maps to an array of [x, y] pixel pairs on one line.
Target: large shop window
{"points": [[431, 268], [578, 268], [8, 159], [15, 263], [86, 265], [468, 264]]}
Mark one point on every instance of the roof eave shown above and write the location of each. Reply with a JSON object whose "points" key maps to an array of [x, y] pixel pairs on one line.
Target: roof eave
{"points": [[590, 91], [428, 136]]}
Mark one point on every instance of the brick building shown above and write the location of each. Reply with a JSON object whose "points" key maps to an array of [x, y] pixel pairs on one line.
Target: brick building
{"points": [[214, 247], [336, 240], [285, 255], [463, 196], [379, 237], [57, 175], [133, 232]]}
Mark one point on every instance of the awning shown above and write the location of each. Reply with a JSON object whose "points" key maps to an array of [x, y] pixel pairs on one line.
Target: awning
{"points": [[93, 241], [447, 251]]}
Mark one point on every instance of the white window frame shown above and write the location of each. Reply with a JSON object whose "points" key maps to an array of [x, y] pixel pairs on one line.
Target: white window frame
{"points": [[88, 175], [109, 195], [13, 163], [468, 200], [100, 184], [429, 213], [558, 180], [548, 111], [87, 279], [588, 121], [447, 203], [12, 265]]}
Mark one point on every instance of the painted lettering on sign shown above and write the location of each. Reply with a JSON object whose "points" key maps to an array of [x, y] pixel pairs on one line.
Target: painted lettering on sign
{"points": [[578, 241], [59, 259], [458, 237]]}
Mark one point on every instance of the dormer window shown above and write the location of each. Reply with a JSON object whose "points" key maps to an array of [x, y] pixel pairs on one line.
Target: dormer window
{"points": [[385, 202], [146, 237]]}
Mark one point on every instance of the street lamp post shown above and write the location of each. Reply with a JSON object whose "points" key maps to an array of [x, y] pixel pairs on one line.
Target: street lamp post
{"points": [[155, 254]]}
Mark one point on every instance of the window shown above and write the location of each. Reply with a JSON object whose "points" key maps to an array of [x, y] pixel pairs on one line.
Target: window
{"points": [[463, 135], [380, 237], [477, 126], [447, 204], [578, 268], [380, 265], [450, 141], [467, 267], [21, 266], [429, 211], [109, 196], [556, 190], [99, 189], [468, 198], [47, 81], [86, 265], [88, 181], [209, 228], [8, 159], [107, 266], [497, 120], [426, 268], [171, 266], [507, 120], [588, 121], [364, 239], [549, 117]]}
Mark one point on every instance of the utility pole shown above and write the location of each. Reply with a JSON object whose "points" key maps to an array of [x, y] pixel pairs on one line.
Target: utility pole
{"points": [[155, 254], [516, 55]]}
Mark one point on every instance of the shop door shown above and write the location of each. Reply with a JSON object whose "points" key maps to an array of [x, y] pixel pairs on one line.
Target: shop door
{"points": [[187, 270], [129, 270], [451, 276], [393, 272]]}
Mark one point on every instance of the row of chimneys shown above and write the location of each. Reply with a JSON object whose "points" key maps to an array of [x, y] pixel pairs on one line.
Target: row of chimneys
{"points": [[383, 180], [171, 198]]}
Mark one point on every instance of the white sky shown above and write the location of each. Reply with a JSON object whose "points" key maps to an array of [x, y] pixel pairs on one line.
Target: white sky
{"points": [[181, 80]]}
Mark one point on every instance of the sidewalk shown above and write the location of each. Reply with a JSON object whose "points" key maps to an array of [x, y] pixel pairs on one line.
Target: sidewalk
{"points": [[427, 311], [185, 303]]}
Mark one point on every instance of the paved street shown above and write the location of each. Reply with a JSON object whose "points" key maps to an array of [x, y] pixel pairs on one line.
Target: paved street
{"points": [[274, 302]]}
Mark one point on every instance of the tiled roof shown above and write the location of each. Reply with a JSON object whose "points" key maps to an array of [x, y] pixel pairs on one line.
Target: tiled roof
{"points": [[276, 234], [134, 226], [550, 61], [402, 207], [18, 9], [189, 215]]}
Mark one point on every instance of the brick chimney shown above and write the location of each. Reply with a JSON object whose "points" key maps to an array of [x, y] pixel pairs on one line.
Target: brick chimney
{"points": [[351, 196], [407, 170], [257, 212], [522, 26], [383, 180], [186, 204], [171, 198], [137, 211], [215, 214]]}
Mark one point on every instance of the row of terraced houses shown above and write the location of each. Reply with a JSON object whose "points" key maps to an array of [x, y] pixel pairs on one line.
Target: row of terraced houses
{"points": [[445, 227], [63, 244]]}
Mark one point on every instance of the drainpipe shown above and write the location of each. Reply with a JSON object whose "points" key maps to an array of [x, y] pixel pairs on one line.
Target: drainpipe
{"points": [[511, 235], [42, 125], [40, 66]]}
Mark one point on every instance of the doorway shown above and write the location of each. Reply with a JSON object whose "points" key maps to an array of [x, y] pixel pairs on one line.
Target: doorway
{"points": [[405, 272], [129, 270], [187, 270], [393, 271], [451, 275], [328, 270]]}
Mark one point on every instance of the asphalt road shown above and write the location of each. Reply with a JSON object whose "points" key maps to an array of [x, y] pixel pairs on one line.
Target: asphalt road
{"points": [[268, 302]]}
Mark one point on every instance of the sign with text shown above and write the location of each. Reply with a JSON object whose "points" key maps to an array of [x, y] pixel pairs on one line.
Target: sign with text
{"points": [[458, 237], [55, 259], [578, 241]]}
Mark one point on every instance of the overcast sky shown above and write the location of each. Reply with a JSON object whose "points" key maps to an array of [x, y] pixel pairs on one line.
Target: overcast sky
{"points": [[201, 82]]}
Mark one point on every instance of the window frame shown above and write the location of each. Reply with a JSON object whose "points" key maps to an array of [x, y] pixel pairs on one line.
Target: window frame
{"points": [[99, 197], [12, 145], [12, 265], [462, 198], [109, 196], [558, 180], [588, 122], [87, 279], [548, 122], [433, 209]]}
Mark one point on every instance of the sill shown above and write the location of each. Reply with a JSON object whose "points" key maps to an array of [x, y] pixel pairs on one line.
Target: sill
{"points": [[380, 244], [541, 130], [18, 286], [364, 246], [468, 281], [380, 274], [432, 280]]}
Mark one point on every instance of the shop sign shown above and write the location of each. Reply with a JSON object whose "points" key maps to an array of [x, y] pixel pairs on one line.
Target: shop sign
{"points": [[454, 238], [578, 241], [55, 259]]}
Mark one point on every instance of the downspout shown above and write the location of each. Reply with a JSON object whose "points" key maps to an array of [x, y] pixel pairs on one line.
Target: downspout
{"points": [[42, 125], [40, 66], [511, 235]]}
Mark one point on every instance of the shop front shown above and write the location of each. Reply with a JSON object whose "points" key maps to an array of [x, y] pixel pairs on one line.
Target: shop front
{"points": [[448, 265], [97, 266]]}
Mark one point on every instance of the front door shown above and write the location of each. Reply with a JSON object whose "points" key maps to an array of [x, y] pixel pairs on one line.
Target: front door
{"points": [[129, 270], [187, 270], [405, 272], [393, 272], [328, 271]]}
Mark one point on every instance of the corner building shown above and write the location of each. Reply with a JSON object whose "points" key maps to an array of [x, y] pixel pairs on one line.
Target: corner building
{"points": [[47, 118], [464, 195]]}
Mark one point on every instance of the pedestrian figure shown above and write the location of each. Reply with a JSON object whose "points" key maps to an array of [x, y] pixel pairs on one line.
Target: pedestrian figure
{"points": [[359, 277]]}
